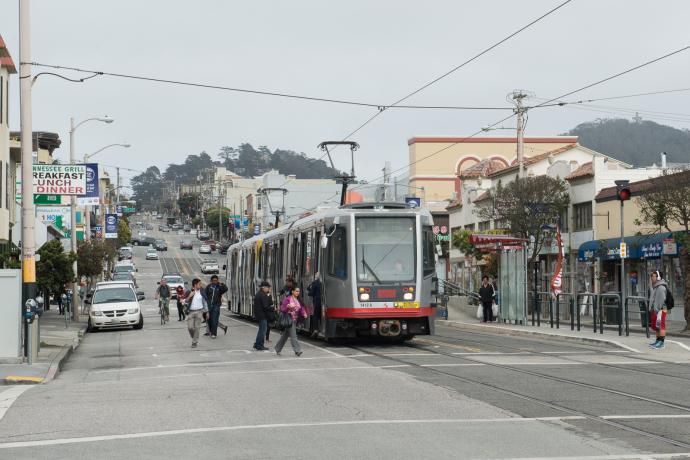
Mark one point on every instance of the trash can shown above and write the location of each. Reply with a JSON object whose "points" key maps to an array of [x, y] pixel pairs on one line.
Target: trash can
{"points": [[612, 313]]}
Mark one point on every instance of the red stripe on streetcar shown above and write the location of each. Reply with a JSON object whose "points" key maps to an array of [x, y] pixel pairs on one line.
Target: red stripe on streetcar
{"points": [[379, 312]]}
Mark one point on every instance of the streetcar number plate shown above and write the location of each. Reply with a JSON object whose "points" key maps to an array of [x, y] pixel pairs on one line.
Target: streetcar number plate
{"points": [[408, 304]]}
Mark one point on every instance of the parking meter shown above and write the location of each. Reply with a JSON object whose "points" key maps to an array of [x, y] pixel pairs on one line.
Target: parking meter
{"points": [[40, 306], [30, 308]]}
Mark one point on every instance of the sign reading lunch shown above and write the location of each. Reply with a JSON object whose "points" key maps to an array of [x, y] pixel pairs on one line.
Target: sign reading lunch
{"points": [[59, 179]]}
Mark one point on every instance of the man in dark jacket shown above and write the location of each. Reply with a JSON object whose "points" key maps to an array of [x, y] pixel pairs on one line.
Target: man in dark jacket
{"points": [[263, 308], [214, 293], [486, 297], [314, 291]]}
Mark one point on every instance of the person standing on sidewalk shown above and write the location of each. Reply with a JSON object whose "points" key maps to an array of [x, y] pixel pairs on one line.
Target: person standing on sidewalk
{"points": [[180, 303], [197, 305], [291, 306], [263, 310], [214, 294], [163, 293], [657, 308], [486, 297]]}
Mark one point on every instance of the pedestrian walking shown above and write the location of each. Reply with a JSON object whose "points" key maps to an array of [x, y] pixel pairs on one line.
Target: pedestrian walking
{"points": [[486, 297], [314, 291], [283, 294], [658, 308], [291, 306], [180, 303], [263, 312], [163, 296], [214, 294], [196, 300]]}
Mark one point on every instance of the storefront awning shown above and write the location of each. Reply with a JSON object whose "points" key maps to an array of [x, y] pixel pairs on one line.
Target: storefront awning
{"points": [[487, 240], [639, 247]]}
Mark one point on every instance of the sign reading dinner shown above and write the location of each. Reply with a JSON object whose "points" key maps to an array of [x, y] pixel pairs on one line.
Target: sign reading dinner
{"points": [[59, 179]]}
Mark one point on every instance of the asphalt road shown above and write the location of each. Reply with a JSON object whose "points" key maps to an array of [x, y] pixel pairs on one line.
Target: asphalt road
{"points": [[147, 394]]}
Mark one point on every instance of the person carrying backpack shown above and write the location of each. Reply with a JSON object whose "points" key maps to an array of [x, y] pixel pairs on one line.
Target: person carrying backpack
{"points": [[659, 304]]}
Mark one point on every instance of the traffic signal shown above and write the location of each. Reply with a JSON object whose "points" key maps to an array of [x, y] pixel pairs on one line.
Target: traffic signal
{"points": [[623, 190]]}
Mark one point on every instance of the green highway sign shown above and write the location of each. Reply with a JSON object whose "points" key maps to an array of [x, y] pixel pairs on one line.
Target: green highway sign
{"points": [[47, 199], [129, 210]]}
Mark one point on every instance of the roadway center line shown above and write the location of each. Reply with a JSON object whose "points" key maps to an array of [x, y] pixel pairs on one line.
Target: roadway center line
{"points": [[326, 424], [9, 396], [222, 363]]}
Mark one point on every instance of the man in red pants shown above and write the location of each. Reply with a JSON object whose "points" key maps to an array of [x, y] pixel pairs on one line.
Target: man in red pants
{"points": [[657, 308]]}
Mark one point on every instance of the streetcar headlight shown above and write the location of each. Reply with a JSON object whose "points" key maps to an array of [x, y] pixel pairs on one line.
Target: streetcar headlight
{"points": [[364, 297], [408, 296]]}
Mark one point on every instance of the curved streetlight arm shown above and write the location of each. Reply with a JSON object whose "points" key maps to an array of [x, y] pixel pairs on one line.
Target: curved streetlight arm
{"points": [[105, 119], [89, 155]]}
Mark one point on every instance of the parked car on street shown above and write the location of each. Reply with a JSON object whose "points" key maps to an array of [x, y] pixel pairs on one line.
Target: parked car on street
{"points": [[115, 305], [204, 249], [124, 253], [165, 229], [124, 277], [174, 280], [209, 266], [186, 244]]}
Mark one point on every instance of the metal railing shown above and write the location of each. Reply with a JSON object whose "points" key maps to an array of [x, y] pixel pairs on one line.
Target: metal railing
{"points": [[587, 295], [620, 316]]}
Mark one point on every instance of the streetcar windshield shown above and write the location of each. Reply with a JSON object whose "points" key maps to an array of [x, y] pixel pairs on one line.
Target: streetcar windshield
{"points": [[385, 249]]}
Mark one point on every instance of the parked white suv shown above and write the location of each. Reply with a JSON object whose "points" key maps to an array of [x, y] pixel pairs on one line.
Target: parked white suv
{"points": [[115, 305]]}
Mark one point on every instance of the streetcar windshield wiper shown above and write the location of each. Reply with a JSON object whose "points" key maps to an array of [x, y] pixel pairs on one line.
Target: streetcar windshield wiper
{"points": [[366, 266]]}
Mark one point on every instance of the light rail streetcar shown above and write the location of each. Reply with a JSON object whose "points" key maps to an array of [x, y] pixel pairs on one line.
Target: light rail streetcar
{"points": [[377, 263]]}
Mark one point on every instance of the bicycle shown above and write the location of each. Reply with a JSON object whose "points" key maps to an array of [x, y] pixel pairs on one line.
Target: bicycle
{"points": [[163, 310]]}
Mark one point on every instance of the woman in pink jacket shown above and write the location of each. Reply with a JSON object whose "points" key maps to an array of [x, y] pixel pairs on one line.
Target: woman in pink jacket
{"points": [[293, 307]]}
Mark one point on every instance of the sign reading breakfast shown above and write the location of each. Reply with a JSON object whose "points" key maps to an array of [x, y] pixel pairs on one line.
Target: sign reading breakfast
{"points": [[59, 179]]}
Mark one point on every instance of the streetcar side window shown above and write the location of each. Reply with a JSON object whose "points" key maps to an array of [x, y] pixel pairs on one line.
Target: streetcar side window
{"points": [[428, 251], [337, 254]]}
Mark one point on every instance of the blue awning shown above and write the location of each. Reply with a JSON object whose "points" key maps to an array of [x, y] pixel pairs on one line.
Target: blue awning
{"points": [[639, 247]]}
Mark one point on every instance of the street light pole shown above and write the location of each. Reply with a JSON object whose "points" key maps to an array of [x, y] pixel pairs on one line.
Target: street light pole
{"points": [[73, 212], [28, 212]]}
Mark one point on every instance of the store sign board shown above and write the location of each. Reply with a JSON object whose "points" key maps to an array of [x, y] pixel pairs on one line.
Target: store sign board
{"points": [[59, 179]]}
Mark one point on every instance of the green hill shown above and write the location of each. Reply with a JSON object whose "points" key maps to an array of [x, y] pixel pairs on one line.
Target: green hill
{"points": [[636, 142]]}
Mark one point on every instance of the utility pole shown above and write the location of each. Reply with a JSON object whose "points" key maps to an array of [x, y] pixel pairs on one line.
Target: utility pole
{"points": [[518, 96], [241, 220], [73, 230], [220, 214], [28, 210], [117, 189]]}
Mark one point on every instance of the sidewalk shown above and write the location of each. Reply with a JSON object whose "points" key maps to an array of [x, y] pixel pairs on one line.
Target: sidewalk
{"points": [[57, 344], [462, 316]]}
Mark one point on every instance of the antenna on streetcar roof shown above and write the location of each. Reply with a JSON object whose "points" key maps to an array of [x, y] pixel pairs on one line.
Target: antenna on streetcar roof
{"points": [[343, 179]]}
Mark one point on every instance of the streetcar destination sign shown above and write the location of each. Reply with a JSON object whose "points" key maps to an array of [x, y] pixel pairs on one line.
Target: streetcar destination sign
{"points": [[59, 179]]}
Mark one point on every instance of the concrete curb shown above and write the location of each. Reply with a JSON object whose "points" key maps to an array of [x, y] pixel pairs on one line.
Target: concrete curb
{"points": [[58, 362], [544, 334]]}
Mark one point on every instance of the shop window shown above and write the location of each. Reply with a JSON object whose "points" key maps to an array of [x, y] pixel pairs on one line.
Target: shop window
{"points": [[469, 227], [582, 216], [485, 225]]}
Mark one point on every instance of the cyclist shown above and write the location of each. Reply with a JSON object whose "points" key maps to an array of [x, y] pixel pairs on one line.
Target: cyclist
{"points": [[163, 293]]}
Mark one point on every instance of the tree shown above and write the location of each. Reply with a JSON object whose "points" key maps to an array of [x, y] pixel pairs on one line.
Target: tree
{"points": [[124, 234], [188, 204], [212, 218], [529, 207], [148, 187], [54, 269], [666, 206], [91, 257]]}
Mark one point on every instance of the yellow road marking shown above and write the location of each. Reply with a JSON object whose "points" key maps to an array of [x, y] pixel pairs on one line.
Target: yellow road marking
{"points": [[23, 378]]}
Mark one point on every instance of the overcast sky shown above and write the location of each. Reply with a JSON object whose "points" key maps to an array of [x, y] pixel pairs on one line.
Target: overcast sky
{"points": [[365, 50]]}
